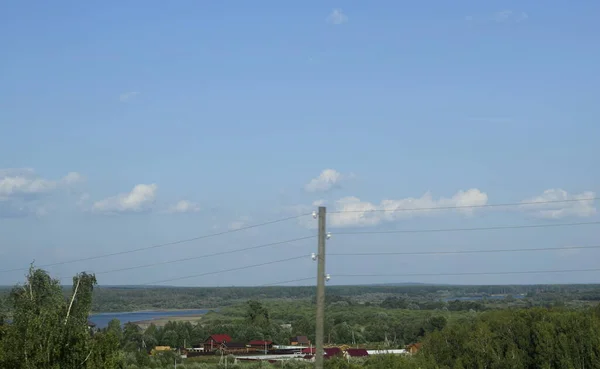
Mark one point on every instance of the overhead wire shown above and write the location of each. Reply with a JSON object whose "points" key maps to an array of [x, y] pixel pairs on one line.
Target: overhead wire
{"points": [[344, 233], [462, 251], [226, 270], [288, 281], [550, 225], [210, 235], [206, 256], [455, 207]]}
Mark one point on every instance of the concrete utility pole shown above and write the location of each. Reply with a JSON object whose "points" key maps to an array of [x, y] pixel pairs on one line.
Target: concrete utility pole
{"points": [[320, 324]]}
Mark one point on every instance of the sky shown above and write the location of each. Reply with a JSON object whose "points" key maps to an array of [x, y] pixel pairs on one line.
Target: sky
{"points": [[130, 125]]}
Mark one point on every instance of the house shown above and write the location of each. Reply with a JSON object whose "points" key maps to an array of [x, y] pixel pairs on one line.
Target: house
{"points": [[215, 341], [332, 351], [413, 348], [299, 340], [234, 348], [329, 351], [356, 353], [258, 345]]}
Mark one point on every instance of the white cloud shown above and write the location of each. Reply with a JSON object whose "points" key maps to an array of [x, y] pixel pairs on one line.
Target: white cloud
{"points": [[238, 224], [72, 178], [354, 212], [141, 198], [337, 16], [579, 205], [126, 96], [82, 200], [328, 179], [24, 182], [23, 192], [184, 206]]}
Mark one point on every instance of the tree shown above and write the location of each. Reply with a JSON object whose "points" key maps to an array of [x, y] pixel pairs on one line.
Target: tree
{"points": [[257, 314], [49, 331]]}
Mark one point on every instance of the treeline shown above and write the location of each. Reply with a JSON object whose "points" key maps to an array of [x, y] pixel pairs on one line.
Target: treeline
{"points": [[107, 299], [49, 329]]}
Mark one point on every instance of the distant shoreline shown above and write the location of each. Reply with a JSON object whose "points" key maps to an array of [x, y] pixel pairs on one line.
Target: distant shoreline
{"points": [[149, 311]]}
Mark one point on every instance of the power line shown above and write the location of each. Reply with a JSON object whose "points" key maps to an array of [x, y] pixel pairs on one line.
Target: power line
{"points": [[206, 256], [227, 270], [471, 229], [286, 282], [463, 251], [466, 206], [465, 273], [159, 245]]}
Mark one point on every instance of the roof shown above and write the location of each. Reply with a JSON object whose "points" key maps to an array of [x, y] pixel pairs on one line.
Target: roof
{"points": [[235, 345], [90, 323], [329, 351], [356, 352], [332, 351], [300, 339], [220, 338], [415, 345], [260, 343]]}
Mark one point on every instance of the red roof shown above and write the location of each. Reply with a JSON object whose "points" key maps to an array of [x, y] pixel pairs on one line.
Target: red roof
{"points": [[219, 338], [260, 343], [309, 350], [332, 351], [357, 352]]}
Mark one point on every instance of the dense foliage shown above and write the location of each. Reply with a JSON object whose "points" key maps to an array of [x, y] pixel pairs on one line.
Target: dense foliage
{"points": [[51, 331], [543, 327], [532, 338]]}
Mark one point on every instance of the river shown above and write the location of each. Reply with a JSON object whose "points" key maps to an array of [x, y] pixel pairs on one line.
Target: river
{"points": [[101, 319]]}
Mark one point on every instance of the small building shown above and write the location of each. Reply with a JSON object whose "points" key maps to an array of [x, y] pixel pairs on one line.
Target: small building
{"points": [[332, 351], [299, 340], [197, 348], [328, 351], [215, 341], [259, 345], [356, 353], [234, 348], [413, 348]]}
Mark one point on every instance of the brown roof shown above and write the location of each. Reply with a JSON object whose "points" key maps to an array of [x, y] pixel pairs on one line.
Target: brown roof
{"points": [[300, 339]]}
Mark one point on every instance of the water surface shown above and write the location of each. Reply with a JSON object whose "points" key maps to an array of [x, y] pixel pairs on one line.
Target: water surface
{"points": [[101, 319]]}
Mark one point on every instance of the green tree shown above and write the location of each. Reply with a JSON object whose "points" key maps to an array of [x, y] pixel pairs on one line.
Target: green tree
{"points": [[49, 331], [257, 314]]}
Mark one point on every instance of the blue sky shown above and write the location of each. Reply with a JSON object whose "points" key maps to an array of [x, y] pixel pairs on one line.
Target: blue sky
{"points": [[125, 125]]}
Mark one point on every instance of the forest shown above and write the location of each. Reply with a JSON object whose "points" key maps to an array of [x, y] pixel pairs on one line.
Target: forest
{"points": [[44, 324]]}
